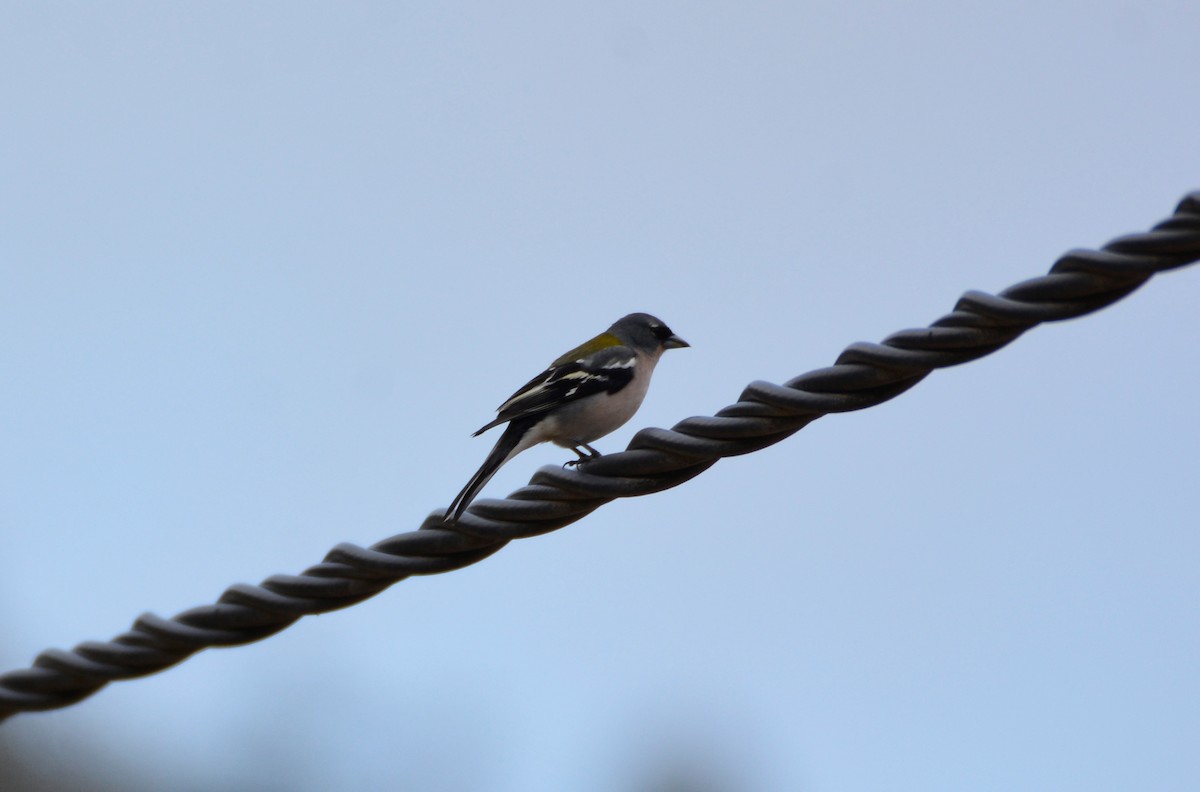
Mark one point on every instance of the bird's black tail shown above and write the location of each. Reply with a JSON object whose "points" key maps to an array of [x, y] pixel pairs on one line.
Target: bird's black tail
{"points": [[504, 448]]}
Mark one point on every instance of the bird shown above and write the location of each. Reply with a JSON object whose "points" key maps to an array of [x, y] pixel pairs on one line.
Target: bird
{"points": [[582, 396]]}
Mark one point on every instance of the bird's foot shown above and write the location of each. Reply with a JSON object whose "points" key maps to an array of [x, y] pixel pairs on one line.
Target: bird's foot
{"points": [[583, 457]]}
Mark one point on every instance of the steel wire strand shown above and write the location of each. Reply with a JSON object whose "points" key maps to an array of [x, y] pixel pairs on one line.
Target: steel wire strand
{"points": [[864, 375]]}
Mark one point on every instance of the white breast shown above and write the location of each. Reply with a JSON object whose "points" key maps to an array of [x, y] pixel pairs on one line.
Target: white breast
{"points": [[596, 416]]}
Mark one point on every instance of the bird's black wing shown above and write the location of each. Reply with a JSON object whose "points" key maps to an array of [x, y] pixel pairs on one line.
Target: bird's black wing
{"points": [[604, 371]]}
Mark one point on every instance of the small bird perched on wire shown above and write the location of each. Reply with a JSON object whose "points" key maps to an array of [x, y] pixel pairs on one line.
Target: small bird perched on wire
{"points": [[585, 394]]}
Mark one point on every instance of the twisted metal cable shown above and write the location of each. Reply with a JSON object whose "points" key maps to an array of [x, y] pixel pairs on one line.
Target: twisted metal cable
{"points": [[864, 375]]}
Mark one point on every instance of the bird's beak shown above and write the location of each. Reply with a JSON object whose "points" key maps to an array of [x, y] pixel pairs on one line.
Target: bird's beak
{"points": [[675, 342]]}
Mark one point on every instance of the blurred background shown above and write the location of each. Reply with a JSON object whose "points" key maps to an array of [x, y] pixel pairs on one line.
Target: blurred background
{"points": [[264, 267]]}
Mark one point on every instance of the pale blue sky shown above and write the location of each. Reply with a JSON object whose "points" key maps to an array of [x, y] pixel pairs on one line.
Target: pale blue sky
{"points": [[265, 267]]}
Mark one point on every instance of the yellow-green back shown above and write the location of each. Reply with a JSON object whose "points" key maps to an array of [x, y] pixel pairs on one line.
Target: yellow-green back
{"points": [[602, 341]]}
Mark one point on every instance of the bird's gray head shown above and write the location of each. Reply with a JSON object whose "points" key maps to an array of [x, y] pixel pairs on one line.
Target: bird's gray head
{"points": [[646, 334]]}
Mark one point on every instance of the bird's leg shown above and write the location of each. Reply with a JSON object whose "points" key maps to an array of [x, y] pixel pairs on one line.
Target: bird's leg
{"points": [[591, 454]]}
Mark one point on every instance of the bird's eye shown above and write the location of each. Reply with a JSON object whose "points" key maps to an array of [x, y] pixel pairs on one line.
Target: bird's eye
{"points": [[661, 332]]}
